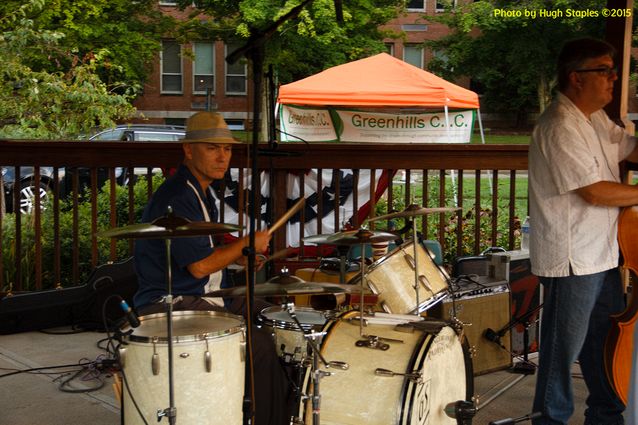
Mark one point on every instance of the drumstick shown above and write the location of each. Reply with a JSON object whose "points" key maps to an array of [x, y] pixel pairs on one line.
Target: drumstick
{"points": [[284, 218], [277, 255]]}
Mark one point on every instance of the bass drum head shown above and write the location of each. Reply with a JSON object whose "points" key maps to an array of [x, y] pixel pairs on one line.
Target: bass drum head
{"points": [[360, 396]]}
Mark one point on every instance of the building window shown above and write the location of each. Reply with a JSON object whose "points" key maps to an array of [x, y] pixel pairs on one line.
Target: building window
{"points": [[416, 6], [442, 4], [235, 73], [414, 27], [389, 48], [171, 64], [413, 54], [204, 67]]}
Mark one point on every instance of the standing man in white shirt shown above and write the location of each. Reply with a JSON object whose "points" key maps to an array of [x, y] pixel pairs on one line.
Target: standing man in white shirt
{"points": [[575, 193]]}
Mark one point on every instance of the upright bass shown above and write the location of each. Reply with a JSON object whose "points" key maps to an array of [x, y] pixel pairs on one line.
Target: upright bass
{"points": [[619, 346]]}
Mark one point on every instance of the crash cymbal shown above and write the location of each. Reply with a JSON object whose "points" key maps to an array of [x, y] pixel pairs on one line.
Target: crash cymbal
{"points": [[414, 210], [320, 239], [291, 285], [169, 226], [352, 237]]}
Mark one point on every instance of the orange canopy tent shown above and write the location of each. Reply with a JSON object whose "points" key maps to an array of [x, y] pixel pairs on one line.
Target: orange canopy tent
{"points": [[380, 80], [380, 83]]}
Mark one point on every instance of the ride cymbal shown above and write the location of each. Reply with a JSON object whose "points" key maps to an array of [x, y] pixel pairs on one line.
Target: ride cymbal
{"points": [[414, 210], [169, 226], [290, 285], [352, 237]]}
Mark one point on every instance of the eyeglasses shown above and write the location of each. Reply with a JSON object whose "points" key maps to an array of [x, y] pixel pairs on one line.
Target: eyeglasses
{"points": [[604, 71]]}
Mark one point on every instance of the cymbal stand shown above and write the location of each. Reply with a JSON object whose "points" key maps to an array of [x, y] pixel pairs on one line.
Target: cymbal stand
{"points": [[416, 267], [317, 373], [171, 411], [361, 287]]}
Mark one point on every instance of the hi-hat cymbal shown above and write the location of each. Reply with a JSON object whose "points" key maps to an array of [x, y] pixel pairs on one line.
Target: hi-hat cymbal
{"points": [[352, 237], [292, 286], [169, 226], [414, 210]]}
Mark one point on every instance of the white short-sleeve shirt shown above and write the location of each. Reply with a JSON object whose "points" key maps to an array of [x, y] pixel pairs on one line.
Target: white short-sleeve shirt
{"points": [[567, 152]]}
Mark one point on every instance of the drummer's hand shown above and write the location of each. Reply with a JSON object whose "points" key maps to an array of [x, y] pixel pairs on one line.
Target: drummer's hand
{"points": [[262, 239]]}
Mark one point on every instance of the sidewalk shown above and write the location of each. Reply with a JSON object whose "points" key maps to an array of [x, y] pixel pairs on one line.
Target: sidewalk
{"points": [[35, 399]]}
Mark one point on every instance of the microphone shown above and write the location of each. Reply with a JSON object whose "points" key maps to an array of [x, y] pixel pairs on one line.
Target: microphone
{"points": [[131, 317], [493, 336], [462, 410]]}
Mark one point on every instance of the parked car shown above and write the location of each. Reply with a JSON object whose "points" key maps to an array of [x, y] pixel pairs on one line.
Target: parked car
{"points": [[27, 187], [142, 132], [125, 132], [138, 133]]}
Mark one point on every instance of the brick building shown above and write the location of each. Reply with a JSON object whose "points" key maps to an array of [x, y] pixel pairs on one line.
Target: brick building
{"points": [[179, 86]]}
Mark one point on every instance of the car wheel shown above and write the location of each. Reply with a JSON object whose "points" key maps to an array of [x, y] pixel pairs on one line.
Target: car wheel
{"points": [[28, 193]]}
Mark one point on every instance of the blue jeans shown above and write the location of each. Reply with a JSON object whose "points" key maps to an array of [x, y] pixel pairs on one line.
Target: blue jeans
{"points": [[574, 326]]}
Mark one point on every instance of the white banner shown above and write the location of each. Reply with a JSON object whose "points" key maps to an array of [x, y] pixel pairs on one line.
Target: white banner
{"points": [[372, 127], [306, 125]]}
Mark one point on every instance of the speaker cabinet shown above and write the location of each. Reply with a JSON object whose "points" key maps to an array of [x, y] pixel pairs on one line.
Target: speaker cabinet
{"points": [[483, 306]]}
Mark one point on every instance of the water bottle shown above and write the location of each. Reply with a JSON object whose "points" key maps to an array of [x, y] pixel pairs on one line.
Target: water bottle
{"points": [[525, 235]]}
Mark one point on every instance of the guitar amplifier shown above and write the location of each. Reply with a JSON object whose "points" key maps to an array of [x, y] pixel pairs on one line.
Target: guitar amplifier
{"points": [[483, 306], [527, 297]]}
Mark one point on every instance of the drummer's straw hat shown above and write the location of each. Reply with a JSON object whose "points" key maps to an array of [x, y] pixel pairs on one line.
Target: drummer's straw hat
{"points": [[207, 127]]}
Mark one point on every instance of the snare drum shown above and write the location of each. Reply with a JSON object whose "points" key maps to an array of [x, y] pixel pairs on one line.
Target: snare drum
{"points": [[290, 343], [209, 368], [392, 279], [374, 391]]}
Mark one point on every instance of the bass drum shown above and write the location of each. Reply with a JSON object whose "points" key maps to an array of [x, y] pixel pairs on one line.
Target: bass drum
{"points": [[209, 368], [372, 392]]}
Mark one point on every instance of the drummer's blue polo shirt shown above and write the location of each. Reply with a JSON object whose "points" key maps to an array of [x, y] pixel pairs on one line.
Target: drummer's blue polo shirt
{"points": [[150, 254]]}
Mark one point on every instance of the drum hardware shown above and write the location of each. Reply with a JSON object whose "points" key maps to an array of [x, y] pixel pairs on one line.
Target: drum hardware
{"points": [[318, 374], [155, 361], [371, 341], [208, 358], [416, 377]]}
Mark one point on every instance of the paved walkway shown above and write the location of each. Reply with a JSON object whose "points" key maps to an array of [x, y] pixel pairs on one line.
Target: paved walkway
{"points": [[37, 398]]}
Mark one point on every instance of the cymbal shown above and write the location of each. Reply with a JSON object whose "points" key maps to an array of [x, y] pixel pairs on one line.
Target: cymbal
{"points": [[281, 286], [352, 237], [169, 226], [414, 210]]}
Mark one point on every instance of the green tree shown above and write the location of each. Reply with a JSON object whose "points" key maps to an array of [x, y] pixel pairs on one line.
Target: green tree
{"points": [[126, 34], [512, 57], [36, 103], [305, 44]]}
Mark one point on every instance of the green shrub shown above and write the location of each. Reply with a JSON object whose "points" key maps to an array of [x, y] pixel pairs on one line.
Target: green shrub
{"points": [[84, 238]]}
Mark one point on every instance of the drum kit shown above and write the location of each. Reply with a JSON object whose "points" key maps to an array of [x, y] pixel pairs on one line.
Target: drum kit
{"points": [[394, 365]]}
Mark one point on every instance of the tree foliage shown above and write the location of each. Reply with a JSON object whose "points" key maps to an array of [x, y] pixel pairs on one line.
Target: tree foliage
{"points": [[126, 34], [303, 45], [511, 58], [37, 103]]}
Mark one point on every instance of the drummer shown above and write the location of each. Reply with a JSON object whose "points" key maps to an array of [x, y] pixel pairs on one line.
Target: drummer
{"points": [[197, 264]]}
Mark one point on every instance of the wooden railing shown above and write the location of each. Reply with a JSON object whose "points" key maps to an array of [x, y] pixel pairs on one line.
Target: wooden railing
{"points": [[437, 166]]}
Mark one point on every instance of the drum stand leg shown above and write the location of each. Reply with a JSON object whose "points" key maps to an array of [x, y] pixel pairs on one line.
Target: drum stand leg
{"points": [[415, 241], [317, 373], [171, 411]]}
